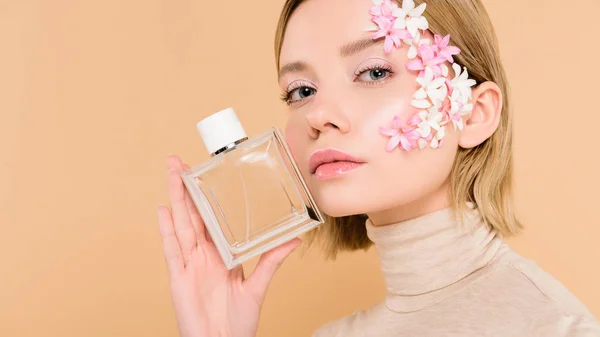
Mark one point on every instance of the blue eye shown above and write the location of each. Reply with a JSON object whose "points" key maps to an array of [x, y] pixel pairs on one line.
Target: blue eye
{"points": [[298, 94], [374, 74], [302, 92]]}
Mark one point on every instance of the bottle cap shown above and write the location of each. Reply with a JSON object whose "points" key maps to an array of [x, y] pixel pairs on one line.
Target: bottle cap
{"points": [[220, 129]]}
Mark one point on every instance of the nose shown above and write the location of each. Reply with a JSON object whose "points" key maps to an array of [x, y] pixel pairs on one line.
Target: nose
{"points": [[325, 118]]}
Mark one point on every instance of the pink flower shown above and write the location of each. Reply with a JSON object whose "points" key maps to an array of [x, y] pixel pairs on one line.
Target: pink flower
{"points": [[428, 59], [401, 135], [442, 48], [393, 36], [383, 8]]}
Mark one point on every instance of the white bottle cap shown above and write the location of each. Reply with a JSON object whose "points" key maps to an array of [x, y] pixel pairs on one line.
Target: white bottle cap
{"points": [[220, 129]]}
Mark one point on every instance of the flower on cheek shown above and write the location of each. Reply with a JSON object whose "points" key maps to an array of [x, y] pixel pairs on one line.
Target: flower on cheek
{"points": [[410, 17], [460, 93], [428, 59], [439, 100], [432, 92], [383, 8], [443, 49], [401, 135], [393, 35]]}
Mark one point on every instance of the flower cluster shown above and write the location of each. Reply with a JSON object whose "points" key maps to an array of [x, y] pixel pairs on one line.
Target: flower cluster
{"points": [[440, 99]]}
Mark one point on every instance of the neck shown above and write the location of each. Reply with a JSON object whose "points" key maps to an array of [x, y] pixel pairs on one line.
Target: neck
{"points": [[423, 255], [432, 202]]}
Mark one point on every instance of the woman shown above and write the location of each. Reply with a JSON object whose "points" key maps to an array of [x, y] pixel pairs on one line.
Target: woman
{"points": [[411, 98]]}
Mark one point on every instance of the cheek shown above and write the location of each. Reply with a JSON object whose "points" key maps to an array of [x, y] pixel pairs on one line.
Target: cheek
{"points": [[297, 139], [406, 176]]}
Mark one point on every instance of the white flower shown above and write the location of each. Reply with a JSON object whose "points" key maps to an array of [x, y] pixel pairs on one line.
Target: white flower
{"points": [[439, 135], [410, 17], [434, 89], [461, 85], [444, 70], [414, 44], [435, 141], [429, 120]]}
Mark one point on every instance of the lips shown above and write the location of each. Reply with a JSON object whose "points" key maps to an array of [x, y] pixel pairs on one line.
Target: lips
{"points": [[330, 163]]}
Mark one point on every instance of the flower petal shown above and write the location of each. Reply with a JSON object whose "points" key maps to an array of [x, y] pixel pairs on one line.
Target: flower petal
{"points": [[441, 133], [415, 65], [392, 143], [388, 44], [420, 94], [456, 69], [422, 23], [424, 129], [444, 70], [412, 52], [388, 132], [434, 143], [418, 11], [412, 27], [438, 82], [420, 103], [408, 5], [399, 13], [405, 144], [445, 41]]}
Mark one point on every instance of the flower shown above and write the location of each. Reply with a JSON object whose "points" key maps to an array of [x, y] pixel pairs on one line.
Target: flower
{"points": [[432, 92], [437, 140], [415, 44], [383, 8], [442, 48], [392, 34], [461, 85], [439, 100], [428, 59], [427, 121], [401, 135], [410, 17]]}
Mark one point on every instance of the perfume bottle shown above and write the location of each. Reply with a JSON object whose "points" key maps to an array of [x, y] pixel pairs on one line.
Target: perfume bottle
{"points": [[250, 193]]}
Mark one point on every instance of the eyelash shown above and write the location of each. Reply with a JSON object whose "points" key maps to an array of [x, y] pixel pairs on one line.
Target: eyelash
{"points": [[285, 97]]}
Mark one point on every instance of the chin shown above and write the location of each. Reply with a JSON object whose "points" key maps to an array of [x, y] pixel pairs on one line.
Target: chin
{"points": [[338, 198]]}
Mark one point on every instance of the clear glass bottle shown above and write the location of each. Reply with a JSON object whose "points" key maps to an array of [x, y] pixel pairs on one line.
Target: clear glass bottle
{"points": [[250, 193]]}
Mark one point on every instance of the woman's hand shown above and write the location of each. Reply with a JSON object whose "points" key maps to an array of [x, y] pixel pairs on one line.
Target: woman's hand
{"points": [[209, 300]]}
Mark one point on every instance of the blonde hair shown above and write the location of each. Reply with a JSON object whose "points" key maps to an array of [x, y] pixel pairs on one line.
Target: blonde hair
{"points": [[481, 175]]}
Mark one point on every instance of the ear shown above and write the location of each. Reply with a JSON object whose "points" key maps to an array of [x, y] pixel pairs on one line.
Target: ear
{"points": [[483, 120]]}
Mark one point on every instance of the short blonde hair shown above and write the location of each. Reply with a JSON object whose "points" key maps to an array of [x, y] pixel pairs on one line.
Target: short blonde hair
{"points": [[481, 175]]}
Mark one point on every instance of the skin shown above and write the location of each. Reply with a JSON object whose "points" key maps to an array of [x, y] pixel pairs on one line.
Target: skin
{"points": [[333, 107], [343, 110]]}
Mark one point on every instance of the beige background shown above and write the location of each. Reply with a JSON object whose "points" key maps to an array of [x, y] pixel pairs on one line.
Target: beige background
{"points": [[93, 94]]}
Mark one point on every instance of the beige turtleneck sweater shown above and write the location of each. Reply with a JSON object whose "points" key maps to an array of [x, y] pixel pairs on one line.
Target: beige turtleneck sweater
{"points": [[447, 280]]}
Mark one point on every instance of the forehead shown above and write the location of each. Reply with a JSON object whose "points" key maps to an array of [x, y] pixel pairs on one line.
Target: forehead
{"points": [[324, 25]]}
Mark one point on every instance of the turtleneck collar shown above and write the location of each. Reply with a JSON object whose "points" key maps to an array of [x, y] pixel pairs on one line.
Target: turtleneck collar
{"points": [[427, 258]]}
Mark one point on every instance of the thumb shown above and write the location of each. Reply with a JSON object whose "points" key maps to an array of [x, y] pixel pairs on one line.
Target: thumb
{"points": [[266, 267]]}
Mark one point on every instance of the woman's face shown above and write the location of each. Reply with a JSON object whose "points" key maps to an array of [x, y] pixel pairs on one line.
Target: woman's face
{"points": [[342, 88]]}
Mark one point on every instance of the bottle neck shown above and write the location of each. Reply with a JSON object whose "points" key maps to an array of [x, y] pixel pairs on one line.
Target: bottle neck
{"points": [[229, 146]]}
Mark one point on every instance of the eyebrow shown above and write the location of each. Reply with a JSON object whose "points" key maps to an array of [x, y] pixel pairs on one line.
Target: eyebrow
{"points": [[346, 50], [292, 67], [354, 47]]}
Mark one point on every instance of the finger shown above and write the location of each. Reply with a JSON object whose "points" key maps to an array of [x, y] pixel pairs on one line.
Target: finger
{"points": [[184, 229], [197, 221], [171, 248], [266, 267]]}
